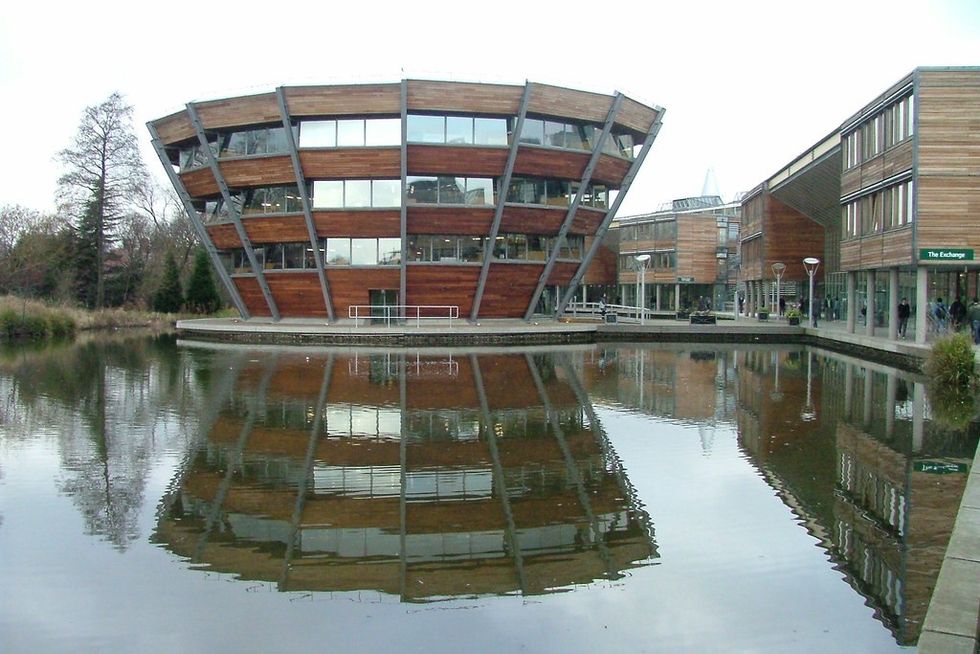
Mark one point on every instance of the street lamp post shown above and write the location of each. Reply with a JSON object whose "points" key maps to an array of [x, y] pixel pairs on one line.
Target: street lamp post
{"points": [[810, 264], [641, 269], [777, 269]]}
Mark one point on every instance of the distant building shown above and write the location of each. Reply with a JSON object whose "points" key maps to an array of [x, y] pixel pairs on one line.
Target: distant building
{"points": [[693, 249]]}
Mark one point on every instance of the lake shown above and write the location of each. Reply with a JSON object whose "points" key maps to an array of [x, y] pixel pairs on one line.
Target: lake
{"points": [[158, 495]]}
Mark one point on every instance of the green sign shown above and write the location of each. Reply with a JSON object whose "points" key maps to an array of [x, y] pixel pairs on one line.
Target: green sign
{"points": [[939, 467], [945, 254], [685, 280]]}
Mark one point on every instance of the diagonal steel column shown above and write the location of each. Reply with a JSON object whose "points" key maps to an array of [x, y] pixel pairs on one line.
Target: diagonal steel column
{"points": [[225, 485], [304, 480], [573, 473], [403, 220], [611, 213], [501, 199], [498, 475], [570, 216], [305, 198], [232, 210], [196, 223]]}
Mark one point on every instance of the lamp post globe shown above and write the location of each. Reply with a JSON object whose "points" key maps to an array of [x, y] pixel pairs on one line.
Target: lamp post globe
{"points": [[810, 264]]}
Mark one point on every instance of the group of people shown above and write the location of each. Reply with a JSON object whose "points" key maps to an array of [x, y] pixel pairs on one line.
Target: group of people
{"points": [[956, 316]]}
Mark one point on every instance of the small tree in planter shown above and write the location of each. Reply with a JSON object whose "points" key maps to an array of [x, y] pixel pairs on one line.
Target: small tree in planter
{"points": [[793, 316]]}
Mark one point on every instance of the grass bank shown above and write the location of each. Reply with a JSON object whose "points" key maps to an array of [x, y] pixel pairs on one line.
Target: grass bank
{"points": [[22, 318]]}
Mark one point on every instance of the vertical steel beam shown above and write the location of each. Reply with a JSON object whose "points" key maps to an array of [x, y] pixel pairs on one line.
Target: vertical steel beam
{"points": [[498, 475], [572, 210], [232, 210], [573, 474], [196, 223], [651, 136], [501, 199], [304, 195], [302, 486], [403, 224]]}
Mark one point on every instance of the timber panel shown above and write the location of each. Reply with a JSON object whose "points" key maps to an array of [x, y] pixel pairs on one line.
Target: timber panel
{"points": [[224, 236], [350, 286], [850, 255], [175, 128], [352, 163], [561, 273], [569, 103], [443, 285], [297, 294], [587, 221], [636, 116], [449, 220], [366, 223], [278, 229], [610, 170], [351, 100], [491, 99], [603, 267], [948, 207], [807, 241], [543, 162], [696, 240], [264, 171], [251, 293], [508, 290], [456, 160], [235, 112], [199, 183], [532, 220]]}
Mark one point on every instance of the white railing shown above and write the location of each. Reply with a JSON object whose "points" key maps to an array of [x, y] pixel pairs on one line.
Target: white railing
{"points": [[406, 312]]}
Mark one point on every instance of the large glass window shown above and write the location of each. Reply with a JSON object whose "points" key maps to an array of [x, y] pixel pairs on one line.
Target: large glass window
{"points": [[338, 251], [389, 251], [449, 248], [457, 130], [449, 190], [489, 131], [242, 143], [364, 251], [194, 155], [356, 193], [269, 200], [350, 132], [426, 129]]}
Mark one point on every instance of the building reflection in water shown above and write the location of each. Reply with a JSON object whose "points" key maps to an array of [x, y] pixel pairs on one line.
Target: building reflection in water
{"points": [[418, 475], [850, 448]]}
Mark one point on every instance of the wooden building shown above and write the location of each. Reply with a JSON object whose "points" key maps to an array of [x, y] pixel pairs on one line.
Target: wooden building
{"points": [[693, 249], [893, 194], [489, 200]]}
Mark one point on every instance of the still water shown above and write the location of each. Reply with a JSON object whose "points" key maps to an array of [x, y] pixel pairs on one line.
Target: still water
{"points": [[157, 496]]}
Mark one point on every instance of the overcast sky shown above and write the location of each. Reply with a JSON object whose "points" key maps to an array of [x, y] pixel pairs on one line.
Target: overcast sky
{"points": [[747, 85]]}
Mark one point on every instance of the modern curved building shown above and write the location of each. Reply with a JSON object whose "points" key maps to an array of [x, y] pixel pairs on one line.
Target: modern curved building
{"points": [[489, 200]]}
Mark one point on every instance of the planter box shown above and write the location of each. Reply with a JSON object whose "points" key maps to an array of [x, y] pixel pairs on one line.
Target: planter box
{"points": [[763, 316], [702, 320], [794, 321], [683, 315]]}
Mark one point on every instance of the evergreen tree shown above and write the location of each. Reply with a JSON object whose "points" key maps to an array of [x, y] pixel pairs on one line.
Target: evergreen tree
{"points": [[169, 296], [85, 259], [202, 294]]}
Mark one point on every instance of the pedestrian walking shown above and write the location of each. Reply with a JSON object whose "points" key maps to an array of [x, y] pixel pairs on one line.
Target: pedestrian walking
{"points": [[940, 314], [904, 311], [973, 315]]}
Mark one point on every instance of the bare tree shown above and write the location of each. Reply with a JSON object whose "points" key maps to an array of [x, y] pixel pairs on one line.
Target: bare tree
{"points": [[103, 168]]}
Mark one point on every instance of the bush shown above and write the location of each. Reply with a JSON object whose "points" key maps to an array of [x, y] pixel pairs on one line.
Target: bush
{"points": [[950, 364], [9, 323]]}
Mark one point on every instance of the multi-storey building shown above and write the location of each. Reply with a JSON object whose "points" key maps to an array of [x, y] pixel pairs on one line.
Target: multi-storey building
{"points": [[487, 199], [890, 198], [693, 250]]}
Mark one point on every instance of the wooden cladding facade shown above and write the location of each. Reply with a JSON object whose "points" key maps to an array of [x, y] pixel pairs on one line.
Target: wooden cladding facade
{"points": [[948, 159], [509, 285], [775, 232]]}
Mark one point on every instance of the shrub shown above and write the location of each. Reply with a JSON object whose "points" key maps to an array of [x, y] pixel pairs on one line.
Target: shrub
{"points": [[950, 364], [9, 323]]}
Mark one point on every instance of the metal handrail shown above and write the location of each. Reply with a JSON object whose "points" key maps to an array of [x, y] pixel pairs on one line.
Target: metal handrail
{"points": [[403, 312]]}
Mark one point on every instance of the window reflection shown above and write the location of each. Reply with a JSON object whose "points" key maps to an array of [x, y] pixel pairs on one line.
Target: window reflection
{"points": [[456, 130], [356, 193], [350, 132], [425, 189]]}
